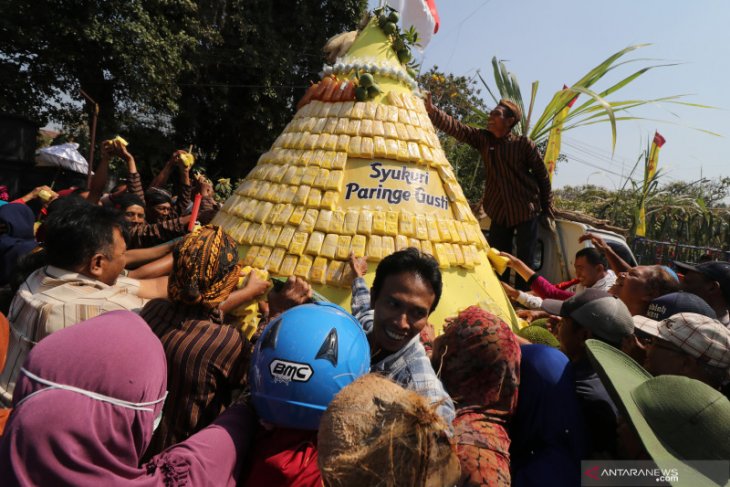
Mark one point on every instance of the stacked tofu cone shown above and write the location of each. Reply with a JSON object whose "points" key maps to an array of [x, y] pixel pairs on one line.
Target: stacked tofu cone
{"points": [[368, 177]]}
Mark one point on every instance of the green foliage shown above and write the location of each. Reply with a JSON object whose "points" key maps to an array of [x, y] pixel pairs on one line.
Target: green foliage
{"points": [[221, 75], [459, 96]]}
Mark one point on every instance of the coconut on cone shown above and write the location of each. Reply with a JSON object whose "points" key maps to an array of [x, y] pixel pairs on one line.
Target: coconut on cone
{"points": [[368, 177]]}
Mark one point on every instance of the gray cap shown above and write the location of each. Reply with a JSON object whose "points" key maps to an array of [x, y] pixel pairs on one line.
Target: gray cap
{"points": [[605, 315]]}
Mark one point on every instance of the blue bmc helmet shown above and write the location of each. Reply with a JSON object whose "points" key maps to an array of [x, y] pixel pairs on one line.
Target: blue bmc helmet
{"points": [[303, 358]]}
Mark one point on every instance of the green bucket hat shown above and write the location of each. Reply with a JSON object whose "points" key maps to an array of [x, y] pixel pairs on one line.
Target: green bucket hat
{"points": [[678, 419]]}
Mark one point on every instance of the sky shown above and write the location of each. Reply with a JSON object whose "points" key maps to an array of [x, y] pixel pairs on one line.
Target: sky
{"points": [[557, 41]]}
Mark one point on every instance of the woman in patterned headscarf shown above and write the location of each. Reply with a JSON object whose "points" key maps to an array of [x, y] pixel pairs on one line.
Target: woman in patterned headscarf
{"points": [[479, 359], [206, 360]]}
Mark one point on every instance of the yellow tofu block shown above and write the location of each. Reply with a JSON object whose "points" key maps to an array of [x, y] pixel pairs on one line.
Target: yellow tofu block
{"points": [[307, 124], [260, 236], [404, 116], [471, 233], [461, 211], [413, 152], [245, 187], [433, 231], [402, 131], [277, 174], [343, 142], [358, 110], [283, 216], [328, 141], [298, 243], [321, 179], [274, 263], [297, 215], [288, 265], [364, 223], [327, 159], [323, 220], [300, 197], [341, 127], [460, 230], [296, 141], [345, 109], [339, 161], [309, 141], [366, 128], [401, 242], [285, 236], [315, 243], [318, 272], [425, 120], [375, 248], [442, 255], [303, 266], [310, 218], [391, 149], [421, 227], [317, 158], [395, 99], [319, 126], [337, 222], [343, 247], [251, 231], [353, 128], [315, 198], [330, 125], [334, 272], [392, 113], [250, 256], [329, 200], [407, 224], [443, 228], [272, 236], [240, 231], [249, 209], [426, 247], [262, 258], [310, 174], [370, 110], [262, 211], [447, 174], [329, 246], [414, 242], [351, 222], [388, 246], [355, 146], [379, 147], [277, 192], [379, 222], [263, 187], [413, 133], [390, 130], [381, 112], [468, 258], [458, 254], [402, 151], [290, 176], [410, 101], [358, 245], [391, 223], [452, 231], [335, 179], [366, 148], [378, 128]]}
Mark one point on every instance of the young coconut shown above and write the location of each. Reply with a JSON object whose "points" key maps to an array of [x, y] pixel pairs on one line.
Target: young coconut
{"points": [[376, 433]]}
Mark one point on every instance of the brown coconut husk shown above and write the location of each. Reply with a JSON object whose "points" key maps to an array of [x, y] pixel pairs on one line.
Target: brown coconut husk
{"points": [[376, 433]]}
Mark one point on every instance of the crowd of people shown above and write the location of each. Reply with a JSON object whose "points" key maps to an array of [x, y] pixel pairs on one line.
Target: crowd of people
{"points": [[122, 363]]}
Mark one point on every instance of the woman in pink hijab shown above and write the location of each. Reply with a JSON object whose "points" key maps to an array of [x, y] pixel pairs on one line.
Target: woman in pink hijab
{"points": [[84, 410]]}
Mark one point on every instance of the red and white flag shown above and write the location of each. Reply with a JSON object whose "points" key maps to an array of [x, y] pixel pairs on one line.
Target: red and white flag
{"points": [[421, 14]]}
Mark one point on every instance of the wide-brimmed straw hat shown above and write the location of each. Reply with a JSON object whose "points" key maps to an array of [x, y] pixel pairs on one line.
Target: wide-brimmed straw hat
{"points": [[679, 420]]}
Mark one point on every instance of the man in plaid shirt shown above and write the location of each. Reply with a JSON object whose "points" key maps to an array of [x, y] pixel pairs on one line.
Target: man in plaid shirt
{"points": [[406, 289]]}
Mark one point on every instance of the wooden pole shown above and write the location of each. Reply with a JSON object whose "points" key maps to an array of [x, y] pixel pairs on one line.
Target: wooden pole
{"points": [[93, 135]]}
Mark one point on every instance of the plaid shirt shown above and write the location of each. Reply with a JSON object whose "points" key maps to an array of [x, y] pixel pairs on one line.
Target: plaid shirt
{"points": [[409, 366]]}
